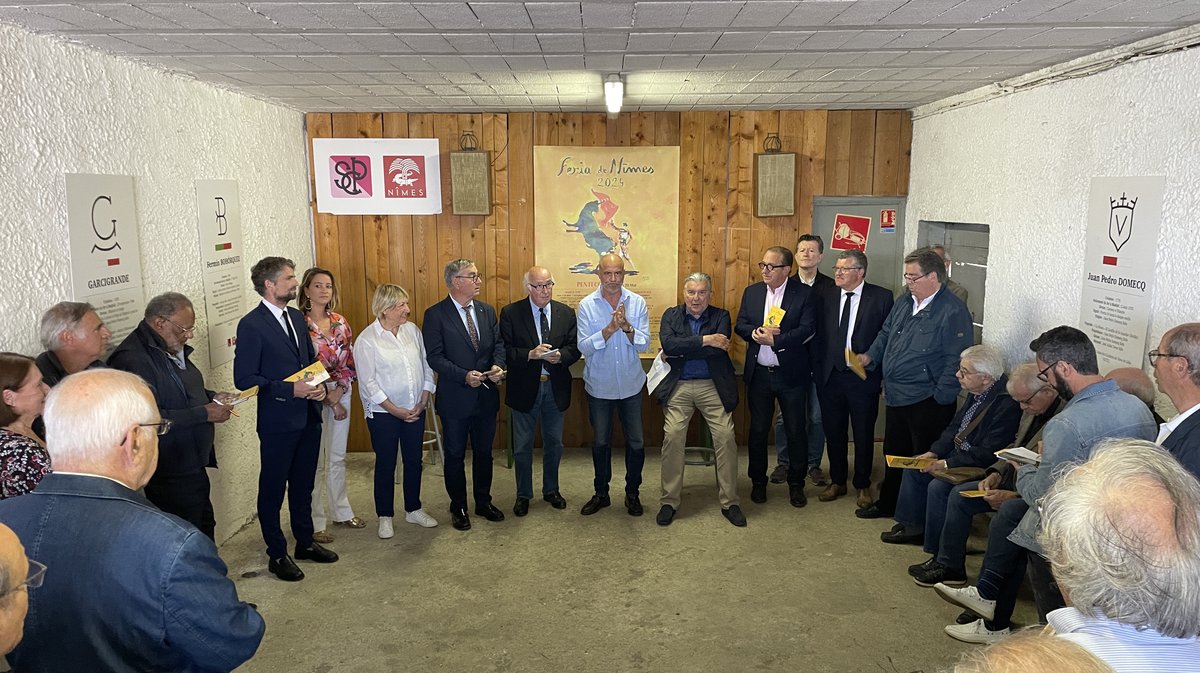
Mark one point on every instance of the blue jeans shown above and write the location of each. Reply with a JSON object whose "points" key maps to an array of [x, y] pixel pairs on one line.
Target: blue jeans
{"points": [[816, 433], [388, 433], [545, 409], [950, 546], [920, 495], [600, 413]]}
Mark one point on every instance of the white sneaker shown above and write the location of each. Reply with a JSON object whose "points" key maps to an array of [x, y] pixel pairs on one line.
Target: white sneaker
{"points": [[420, 518], [385, 528], [975, 632], [969, 598]]}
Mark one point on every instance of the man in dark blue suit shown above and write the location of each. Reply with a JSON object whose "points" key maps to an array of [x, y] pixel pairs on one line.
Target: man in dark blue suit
{"points": [[1176, 364], [852, 313], [777, 365], [463, 345], [273, 344]]}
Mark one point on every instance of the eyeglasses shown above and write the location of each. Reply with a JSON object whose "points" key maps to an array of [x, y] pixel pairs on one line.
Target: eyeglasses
{"points": [[1044, 375], [1154, 355], [965, 372], [541, 286], [189, 331], [845, 269], [1037, 392], [161, 428], [473, 277], [33, 580], [912, 277], [771, 267]]}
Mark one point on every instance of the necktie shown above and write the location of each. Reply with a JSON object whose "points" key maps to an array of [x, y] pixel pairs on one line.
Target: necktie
{"points": [[471, 330], [543, 324], [287, 325], [844, 323]]}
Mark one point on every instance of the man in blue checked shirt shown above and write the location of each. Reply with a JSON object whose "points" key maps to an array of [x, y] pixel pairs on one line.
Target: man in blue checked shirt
{"points": [[614, 327]]}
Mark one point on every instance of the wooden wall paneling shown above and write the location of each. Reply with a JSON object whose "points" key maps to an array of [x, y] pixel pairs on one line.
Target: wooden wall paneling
{"points": [[449, 227], [837, 153], [641, 128], [862, 151], [320, 125], [520, 194], [544, 131], [886, 175], [471, 227], [764, 232], [714, 174], [499, 271], [666, 128], [617, 130], [904, 164], [570, 129], [739, 256], [401, 253], [428, 286], [691, 194], [811, 169], [791, 135], [595, 129]]}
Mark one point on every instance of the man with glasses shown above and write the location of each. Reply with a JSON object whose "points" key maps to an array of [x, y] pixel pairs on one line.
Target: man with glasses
{"points": [[463, 345], [18, 575], [776, 319], [129, 587], [917, 350], [1096, 409], [540, 343], [157, 350], [852, 313], [1175, 368], [614, 329]]}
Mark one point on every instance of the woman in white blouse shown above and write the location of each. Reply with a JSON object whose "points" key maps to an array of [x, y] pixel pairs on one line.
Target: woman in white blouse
{"points": [[395, 383]]}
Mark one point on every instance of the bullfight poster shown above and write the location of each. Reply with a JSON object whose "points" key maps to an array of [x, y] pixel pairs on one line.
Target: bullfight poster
{"points": [[377, 176], [591, 201]]}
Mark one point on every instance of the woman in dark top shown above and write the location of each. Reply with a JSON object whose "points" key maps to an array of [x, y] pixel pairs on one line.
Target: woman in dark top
{"points": [[23, 457]]}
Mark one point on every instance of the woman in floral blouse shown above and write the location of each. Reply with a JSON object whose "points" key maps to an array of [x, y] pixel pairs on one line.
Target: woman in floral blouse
{"points": [[23, 457], [331, 337]]}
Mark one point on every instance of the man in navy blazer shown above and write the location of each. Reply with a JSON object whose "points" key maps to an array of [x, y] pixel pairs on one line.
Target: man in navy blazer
{"points": [[273, 344], [852, 313], [1176, 364], [777, 365], [540, 346], [463, 345]]}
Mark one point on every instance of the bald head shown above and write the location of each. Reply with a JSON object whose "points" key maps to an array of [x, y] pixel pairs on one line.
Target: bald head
{"points": [[611, 270], [14, 567], [539, 285]]}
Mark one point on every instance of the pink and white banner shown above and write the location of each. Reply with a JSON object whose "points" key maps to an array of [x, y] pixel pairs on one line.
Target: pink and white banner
{"points": [[378, 176]]}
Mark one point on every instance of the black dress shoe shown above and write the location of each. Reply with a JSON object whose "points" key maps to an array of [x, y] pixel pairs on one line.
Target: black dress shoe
{"points": [[491, 512], [317, 554], [594, 505], [758, 493], [521, 508], [900, 535], [873, 511], [555, 499], [796, 496], [460, 520], [633, 505], [666, 514], [735, 516], [285, 569]]}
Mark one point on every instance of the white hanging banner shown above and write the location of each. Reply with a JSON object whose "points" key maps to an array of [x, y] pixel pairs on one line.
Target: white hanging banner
{"points": [[106, 262], [1118, 283], [378, 176], [219, 216]]}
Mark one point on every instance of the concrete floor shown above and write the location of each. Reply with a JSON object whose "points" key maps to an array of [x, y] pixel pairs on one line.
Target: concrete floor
{"points": [[810, 590]]}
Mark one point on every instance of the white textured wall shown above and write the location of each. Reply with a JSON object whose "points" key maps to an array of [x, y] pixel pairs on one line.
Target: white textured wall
{"points": [[1023, 164], [70, 110]]}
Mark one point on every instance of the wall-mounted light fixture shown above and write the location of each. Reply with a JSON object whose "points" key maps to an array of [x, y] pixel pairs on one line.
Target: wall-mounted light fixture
{"points": [[614, 92]]}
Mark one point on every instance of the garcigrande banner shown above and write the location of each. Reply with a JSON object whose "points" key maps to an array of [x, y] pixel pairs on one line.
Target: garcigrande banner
{"points": [[595, 200], [377, 176]]}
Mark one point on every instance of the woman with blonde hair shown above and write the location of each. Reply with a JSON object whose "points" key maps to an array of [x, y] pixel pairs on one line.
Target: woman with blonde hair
{"points": [[1032, 651]]}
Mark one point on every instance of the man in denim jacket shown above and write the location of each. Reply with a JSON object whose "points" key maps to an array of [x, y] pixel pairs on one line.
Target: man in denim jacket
{"points": [[128, 587]]}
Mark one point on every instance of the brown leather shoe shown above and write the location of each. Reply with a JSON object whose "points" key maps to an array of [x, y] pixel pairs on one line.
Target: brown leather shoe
{"points": [[864, 498], [323, 537], [832, 492]]}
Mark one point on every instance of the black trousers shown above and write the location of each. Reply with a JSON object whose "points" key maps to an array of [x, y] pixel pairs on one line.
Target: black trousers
{"points": [[767, 386], [187, 497], [849, 402], [909, 430], [480, 429], [1045, 588], [289, 465]]}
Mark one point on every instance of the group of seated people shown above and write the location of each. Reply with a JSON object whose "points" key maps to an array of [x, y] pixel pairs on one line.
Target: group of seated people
{"points": [[1104, 519]]}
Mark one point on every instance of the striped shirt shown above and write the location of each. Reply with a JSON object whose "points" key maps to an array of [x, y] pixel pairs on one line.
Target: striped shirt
{"points": [[1123, 646]]}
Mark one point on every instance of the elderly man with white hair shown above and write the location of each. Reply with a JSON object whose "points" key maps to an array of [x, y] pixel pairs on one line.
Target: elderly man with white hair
{"points": [[131, 588], [1122, 533]]}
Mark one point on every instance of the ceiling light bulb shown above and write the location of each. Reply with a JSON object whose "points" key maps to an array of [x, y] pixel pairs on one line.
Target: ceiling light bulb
{"points": [[614, 91]]}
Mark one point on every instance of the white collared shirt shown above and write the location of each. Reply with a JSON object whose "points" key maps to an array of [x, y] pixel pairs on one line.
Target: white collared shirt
{"points": [[855, 301], [391, 367], [281, 318], [1165, 429], [918, 305], [766, 354]]}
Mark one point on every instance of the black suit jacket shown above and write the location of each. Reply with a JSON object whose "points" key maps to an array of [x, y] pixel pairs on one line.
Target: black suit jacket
{"points": [[449, 352], [873, 308], [264, 357], [519, 333], [1184, 444], [799, 325], [679, 344]]}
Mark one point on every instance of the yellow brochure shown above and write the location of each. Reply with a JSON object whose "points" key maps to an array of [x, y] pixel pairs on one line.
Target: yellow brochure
{"points": [[908, 463], [312, 374], [972, 494], [775, 317], [852, 363]]}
